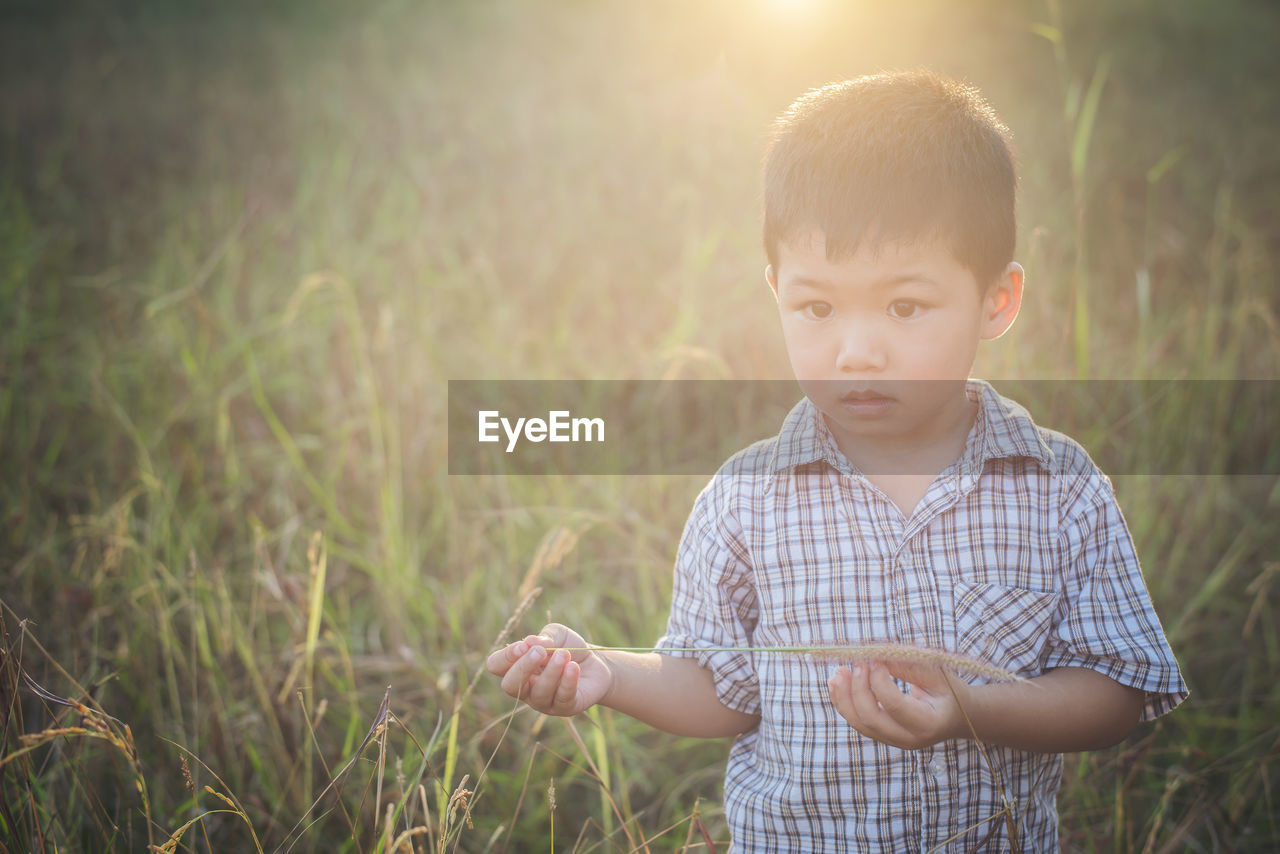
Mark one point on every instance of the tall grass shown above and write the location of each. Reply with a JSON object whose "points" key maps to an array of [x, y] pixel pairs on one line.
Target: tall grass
{"points": [[242, 253]]}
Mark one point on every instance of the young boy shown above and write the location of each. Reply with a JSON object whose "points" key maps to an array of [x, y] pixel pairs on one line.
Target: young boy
{"points": [[900, 502]]}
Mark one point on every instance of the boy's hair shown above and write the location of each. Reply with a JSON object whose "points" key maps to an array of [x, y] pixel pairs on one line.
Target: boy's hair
{"points": [[902, 156]]}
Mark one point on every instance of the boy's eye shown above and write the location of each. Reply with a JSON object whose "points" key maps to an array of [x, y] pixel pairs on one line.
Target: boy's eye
{"points": [[818, 310], [904, 309]]}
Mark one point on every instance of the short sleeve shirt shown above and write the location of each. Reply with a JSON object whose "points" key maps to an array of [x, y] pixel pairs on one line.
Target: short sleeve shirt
{"points": [[1017, 554]]}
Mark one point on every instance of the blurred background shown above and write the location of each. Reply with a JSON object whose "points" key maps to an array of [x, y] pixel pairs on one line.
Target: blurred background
{"points": [[243, 248]]}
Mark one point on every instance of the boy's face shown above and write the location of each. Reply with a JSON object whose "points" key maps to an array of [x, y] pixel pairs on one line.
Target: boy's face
{"points": [[882, 341]]}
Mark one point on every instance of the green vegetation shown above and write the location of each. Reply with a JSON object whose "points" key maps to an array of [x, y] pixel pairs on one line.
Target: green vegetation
{"points": [[243, 249]]}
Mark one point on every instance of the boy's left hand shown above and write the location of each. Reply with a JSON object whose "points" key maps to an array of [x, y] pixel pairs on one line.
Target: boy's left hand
{"points": [[868, 699]]}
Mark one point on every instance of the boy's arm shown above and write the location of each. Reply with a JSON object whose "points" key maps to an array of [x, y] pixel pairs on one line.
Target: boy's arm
{"points": [[675, 695], [1064, 710]]}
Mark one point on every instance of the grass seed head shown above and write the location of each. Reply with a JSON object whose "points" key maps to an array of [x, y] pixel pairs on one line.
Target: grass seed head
{"points": [[910, 653]]}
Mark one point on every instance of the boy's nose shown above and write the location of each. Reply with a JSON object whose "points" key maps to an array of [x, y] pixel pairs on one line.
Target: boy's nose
{"points": [[860, 350]]}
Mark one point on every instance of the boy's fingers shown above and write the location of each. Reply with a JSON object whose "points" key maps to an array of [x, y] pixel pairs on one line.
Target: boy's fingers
{"points": [[887, 693], [568, 689], [865, 703], [890, 697], [500, 661], [841, 694], [542, 693], [906, 714], [873, 699], [927, 676], [553, 634], [523, 668], [871, 703], [860, 704]]}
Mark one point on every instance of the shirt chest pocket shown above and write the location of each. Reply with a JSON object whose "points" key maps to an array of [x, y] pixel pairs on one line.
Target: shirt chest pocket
{"points": [[1005, 626]]}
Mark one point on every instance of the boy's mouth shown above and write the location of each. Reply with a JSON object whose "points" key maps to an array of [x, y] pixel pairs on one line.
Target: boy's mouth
{"points": [[865, 402], [863, 396]]}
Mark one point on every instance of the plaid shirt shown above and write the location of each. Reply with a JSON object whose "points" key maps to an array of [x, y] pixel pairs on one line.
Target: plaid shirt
{"points": [[1017, 554]]}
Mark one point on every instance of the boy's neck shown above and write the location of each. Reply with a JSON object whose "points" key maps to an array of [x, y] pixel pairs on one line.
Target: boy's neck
{"points": [[904, 470]]}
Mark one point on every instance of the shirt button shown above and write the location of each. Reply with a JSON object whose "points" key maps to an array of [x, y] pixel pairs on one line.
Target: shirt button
{"points": [[937, 767]]}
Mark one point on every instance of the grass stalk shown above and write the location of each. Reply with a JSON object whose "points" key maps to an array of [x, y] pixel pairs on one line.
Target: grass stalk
{"points": [[450, 766], [848, 654], [317, 562], [551, 813], [601, 748]]}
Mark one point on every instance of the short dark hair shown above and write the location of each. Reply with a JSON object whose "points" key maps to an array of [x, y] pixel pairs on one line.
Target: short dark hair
{"points": [[899, 156]]}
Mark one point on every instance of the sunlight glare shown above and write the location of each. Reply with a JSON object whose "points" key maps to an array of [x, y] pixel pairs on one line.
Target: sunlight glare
{"points": [[793, 11]]}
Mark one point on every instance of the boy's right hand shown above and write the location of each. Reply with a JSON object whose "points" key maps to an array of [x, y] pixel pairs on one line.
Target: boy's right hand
{"points": [[550, 678]]}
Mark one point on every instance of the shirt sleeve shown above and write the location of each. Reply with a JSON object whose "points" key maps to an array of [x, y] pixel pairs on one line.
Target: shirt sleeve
{"points": [[713, 601], [1106, 621]]}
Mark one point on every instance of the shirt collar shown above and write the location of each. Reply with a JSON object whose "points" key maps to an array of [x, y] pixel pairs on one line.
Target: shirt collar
{"points": [[804, 438], [1002, 429]]}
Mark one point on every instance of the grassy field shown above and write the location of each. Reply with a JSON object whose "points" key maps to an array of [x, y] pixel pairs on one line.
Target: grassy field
{"points": [[243, 249]]}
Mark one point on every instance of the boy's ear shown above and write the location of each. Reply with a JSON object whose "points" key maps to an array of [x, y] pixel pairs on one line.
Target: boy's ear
{"points": [[1002, 301], [771, 279]]}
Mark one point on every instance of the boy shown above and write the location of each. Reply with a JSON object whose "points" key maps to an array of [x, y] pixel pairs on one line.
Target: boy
{"points": [[900, 502]]}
